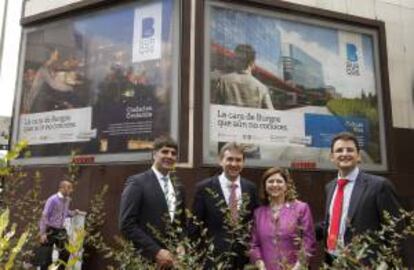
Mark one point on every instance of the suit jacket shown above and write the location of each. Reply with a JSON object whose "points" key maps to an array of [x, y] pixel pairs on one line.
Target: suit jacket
{"points": [[143, 203], [277, 244], [371, 196], [206, 208]]}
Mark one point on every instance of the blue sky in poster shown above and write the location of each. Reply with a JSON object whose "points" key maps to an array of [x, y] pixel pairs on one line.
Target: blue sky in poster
{"points": [[117, 24], [230, 28], [325, 37]]}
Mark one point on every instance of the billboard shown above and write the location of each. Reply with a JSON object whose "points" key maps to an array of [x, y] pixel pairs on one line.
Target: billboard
{"points": [[284, 85], [102, 83]]}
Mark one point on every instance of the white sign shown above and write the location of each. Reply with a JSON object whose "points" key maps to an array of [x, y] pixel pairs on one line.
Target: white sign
{"points": [[73, 226], [256, 126], [147, 33], [4, 131], [57, 126]]}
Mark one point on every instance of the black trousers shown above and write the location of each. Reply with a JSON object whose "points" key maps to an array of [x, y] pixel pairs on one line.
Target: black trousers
{"points": [[59, 238], [329, 259]]}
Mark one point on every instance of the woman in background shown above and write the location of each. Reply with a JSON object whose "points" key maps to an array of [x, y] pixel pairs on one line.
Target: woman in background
{"points": [[283, 232]]}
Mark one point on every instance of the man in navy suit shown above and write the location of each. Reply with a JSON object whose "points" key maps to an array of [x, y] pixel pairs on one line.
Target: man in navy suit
{"points": [[153, 198], [223, 201], [358, 206]]}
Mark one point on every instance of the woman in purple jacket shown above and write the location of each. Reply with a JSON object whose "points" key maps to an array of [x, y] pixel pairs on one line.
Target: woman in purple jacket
{"points": [[283, 232]]}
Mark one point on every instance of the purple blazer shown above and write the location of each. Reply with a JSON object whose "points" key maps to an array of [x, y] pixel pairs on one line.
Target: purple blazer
{"points": [[278, 244]]}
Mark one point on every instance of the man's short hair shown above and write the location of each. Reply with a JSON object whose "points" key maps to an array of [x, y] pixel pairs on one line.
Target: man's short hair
{"points": [[244, 56], [345, 136], [164, 141], [65, 180], [232, 146]]}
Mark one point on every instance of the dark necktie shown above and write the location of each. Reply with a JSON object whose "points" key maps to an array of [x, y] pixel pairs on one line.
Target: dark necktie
{"points": [[335, 221]]}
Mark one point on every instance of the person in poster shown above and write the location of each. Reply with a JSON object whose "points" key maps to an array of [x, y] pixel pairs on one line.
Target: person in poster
{"points": [[240, 87], [48, 92], [137, 115]]}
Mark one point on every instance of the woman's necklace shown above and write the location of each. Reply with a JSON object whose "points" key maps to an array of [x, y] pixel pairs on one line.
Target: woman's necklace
{"points": [[276, 208], [276, 211]]}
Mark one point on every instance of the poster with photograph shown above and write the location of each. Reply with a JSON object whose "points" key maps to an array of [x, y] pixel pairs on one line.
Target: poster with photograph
{"points": [[284, 86], [102, 82]]}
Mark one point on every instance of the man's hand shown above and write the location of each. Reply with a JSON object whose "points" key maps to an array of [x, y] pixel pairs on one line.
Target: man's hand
{"points": [[43, 238], [79, 212], [180, 251], [164, 259]]}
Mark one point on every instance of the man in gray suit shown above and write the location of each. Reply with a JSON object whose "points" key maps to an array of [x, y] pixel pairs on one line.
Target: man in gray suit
{"points": [[356, 200], [153, 198]]}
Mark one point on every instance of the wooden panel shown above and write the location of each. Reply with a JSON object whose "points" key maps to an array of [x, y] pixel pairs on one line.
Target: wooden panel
{"points": [[403, 156]]}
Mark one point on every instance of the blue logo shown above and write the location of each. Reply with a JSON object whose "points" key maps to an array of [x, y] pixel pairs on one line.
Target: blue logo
{"points": [[148, 27], [351, 52]]}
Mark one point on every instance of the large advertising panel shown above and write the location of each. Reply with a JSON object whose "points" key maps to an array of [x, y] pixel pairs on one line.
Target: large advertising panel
{"points": [[104, 83], [283, 85]]}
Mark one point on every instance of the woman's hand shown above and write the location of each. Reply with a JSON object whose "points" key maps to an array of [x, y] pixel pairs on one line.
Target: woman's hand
{"points": [[260, 265], [297, 266]]}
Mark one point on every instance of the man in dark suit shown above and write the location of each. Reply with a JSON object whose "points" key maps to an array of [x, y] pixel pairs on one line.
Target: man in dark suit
{"points": [[153, 198], [225, 202], [356, 200]]}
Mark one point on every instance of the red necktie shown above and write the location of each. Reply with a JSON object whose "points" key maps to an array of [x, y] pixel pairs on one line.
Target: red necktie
{"points": [[233, 203], [335, 221]]}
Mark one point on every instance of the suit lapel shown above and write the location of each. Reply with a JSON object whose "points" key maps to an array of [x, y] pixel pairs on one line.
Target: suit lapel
{"points": [[330, 192], [247, 194], [243, 187], [356, 195], [177, 190], [216, 187], [216, 199], [156, 188], [245, 190]]}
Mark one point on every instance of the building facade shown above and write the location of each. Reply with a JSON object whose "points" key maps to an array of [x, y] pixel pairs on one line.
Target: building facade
{"points": [[107, 77]]}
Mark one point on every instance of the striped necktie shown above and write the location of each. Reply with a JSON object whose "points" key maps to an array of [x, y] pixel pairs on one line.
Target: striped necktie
{"points": [[233, 202], [169, 196]]}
